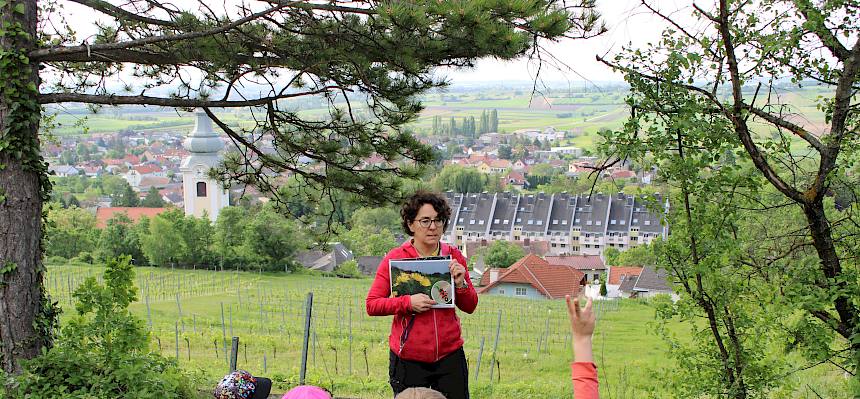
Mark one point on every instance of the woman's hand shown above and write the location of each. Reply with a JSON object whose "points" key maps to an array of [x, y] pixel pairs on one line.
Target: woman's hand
{"points": [[458, 271], [421, 302]]}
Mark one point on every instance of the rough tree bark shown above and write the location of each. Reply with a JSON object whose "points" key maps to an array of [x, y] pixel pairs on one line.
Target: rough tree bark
{"points": [[21, 269]]}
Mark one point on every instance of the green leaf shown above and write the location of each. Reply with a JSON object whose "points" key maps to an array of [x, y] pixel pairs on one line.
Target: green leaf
{"points": [[8, 267], [19, 8]]}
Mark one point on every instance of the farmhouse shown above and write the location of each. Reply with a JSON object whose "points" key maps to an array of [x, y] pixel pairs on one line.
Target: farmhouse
{"points": [[621, 275], [533, 277], [591, 265]]}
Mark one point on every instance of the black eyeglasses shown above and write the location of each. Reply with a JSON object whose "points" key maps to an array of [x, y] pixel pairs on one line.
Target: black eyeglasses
{"points": [[426, 222]]}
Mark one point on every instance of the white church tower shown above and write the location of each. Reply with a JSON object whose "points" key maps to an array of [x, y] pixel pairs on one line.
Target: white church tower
{"points": [[202, 193]]}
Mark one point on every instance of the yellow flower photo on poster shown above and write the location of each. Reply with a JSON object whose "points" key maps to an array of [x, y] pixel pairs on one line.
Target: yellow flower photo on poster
{"points": [[423, 276]]}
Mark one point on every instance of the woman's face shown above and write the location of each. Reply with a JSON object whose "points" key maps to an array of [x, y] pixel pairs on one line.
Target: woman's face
{"points": [[426, 227]]}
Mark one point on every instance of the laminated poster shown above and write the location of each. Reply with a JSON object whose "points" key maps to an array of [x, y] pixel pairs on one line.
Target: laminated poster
{"points": [[429, 276]]}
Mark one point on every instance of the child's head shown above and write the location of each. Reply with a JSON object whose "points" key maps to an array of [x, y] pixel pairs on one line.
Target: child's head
{"points": [[307, 392], [420, 393], [240, 384]]}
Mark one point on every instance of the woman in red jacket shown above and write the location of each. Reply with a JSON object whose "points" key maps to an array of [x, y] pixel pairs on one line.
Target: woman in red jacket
{"points": [[426, 343]]}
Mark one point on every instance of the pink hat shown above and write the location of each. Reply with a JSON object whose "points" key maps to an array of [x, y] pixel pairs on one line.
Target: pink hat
{"points": [[307, 392]]}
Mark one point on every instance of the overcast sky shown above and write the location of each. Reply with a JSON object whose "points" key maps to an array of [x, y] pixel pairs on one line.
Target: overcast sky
{"points": [[627, 22]]}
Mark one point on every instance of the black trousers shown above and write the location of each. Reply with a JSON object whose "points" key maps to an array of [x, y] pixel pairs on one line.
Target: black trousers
{"points": [[450, 375]]}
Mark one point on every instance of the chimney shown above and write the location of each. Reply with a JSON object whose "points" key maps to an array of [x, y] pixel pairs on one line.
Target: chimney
{"points": [[494, 275]]}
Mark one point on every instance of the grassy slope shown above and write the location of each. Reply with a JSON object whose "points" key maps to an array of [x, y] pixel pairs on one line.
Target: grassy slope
{"points": [[629, 355]]}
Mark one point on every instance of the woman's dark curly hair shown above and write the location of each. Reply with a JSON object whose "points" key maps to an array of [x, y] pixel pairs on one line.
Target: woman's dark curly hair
{"points": [[416, 201]]}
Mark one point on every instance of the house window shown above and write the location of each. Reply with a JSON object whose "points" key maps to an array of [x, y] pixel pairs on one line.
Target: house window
{"points": [[647, 222], [521, 291], [471, 221], [519, 220], [596, 277], [621, 221], [634, 238], [553, 245], [598, 222], [588, 245], [461, 220], [635, 220], [531, 221], [588, 223], [501, 291], [576, 221], [540, 222], [505, 222], [496, 221], [597, 246], [555, 221], [201, 189], [481, 222], [564, 222]]}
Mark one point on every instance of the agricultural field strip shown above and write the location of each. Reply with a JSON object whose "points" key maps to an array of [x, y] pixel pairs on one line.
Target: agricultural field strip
{"points": [[282, 309]]}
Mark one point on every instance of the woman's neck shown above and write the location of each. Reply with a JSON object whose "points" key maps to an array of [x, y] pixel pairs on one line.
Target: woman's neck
{"points": [[424, 250]]}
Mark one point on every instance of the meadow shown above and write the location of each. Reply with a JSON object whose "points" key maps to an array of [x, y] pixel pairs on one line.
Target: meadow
{"points": [[193, 313]]}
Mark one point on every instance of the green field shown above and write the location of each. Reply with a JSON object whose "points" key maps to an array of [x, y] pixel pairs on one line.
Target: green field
{"points": [[349, 351], [584, 113], [115, 120]]}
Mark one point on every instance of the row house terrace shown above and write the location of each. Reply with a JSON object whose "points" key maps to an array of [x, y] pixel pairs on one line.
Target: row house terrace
{"points": [[572, 224]]}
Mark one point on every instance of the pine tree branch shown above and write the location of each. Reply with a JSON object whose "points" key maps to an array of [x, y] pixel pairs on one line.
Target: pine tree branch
{"points": [[119, 56], [42, 54], [304, 5], [110, 99], [119, 13]]}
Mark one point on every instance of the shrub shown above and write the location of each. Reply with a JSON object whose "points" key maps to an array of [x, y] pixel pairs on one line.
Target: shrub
{"points": [[84, 257], [103, 352], [56, 260], [348, 269]]}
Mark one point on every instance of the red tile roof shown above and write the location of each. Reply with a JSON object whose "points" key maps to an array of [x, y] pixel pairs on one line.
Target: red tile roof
{"points": [[499, 163], [615, 273], [105, 214], [553, 281], [132, 159], [516, 177], [623, 174], [147, 169], [579, 262]]}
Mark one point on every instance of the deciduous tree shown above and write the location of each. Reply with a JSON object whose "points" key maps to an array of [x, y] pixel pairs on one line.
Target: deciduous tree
{"points": [[713, 87]]}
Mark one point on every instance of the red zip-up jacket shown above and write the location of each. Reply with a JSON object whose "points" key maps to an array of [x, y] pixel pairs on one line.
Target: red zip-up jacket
{"points": [[436, 332]]}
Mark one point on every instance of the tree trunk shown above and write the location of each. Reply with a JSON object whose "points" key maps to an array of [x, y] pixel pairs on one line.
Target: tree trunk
{"points": [[21, 270], [831, 267]]}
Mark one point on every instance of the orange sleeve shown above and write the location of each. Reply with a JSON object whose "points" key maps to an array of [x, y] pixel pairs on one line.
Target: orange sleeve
{"points": [[584, 376]]}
